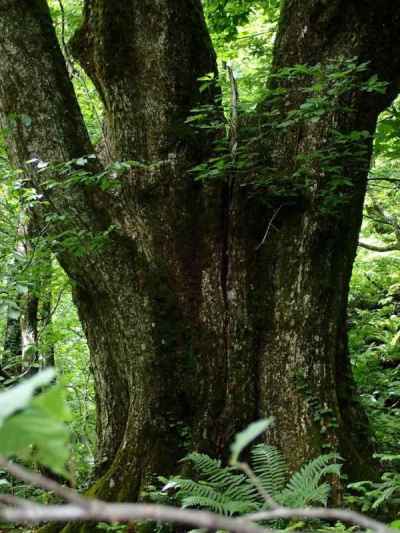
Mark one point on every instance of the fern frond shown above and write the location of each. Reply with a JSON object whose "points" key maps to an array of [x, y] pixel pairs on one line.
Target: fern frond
{"points": [[241, 507], [225, 491], [305, 496], [189, 487], [200, 501], [305, 488], [239, 488], [204, 464], [270, 468], [218, 502]]}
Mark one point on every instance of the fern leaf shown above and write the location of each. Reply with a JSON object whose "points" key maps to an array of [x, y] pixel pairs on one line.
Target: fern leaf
{"points": [[203, 464], [305, 488], [203, 502], [270, 468]]}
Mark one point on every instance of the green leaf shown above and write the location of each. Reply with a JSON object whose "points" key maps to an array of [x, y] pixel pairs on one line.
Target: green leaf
{"points": [[19, 397], [53, 403], [245, 437], [34, 432]]}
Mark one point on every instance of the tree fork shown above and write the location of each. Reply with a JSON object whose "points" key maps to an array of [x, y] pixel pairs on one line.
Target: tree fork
{"points": [[193, 327]]}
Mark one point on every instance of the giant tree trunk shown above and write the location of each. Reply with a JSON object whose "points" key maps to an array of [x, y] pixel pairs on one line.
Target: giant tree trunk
{"points": [[305, 375], [173, 358], [194, 328]]}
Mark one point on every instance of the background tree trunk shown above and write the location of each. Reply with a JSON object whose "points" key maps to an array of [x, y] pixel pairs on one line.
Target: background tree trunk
{"points": [[46, 311], [21, 335], [194, 328], [12, 346], [29, 302]]}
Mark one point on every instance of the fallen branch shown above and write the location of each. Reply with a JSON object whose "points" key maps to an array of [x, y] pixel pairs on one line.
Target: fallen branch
{"points": [[378, 248], [79, 509], [99, 511], [38, 480]]}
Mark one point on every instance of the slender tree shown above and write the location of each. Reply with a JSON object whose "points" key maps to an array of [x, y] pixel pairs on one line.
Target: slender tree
{"points": [[30, 313], [198, 319], [11, 346], [46, 310]]}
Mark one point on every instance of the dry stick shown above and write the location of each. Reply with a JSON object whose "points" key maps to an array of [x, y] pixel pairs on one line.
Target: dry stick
{"points": [[234, 121], [81, 509], [38, 480], [119, 512]]}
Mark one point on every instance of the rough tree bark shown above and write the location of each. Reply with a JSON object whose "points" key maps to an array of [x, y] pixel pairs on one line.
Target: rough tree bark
{"points": [[193, 328], [155, 304], [311, 255]]}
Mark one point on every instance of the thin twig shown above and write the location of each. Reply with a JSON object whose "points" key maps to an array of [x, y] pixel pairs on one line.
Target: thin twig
{"points": [[38, 480], [269, 226], [69, 62], [257, 484]]}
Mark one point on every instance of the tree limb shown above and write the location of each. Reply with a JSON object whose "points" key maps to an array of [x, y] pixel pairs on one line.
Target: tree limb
{"points": [[100, 511], [16, 510], [378, 248], [38, 480], [120, 512]]}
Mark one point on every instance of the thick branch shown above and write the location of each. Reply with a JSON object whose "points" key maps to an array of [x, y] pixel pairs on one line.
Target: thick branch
{"points": [[18, 510], [377, 248], [117, 512]]}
